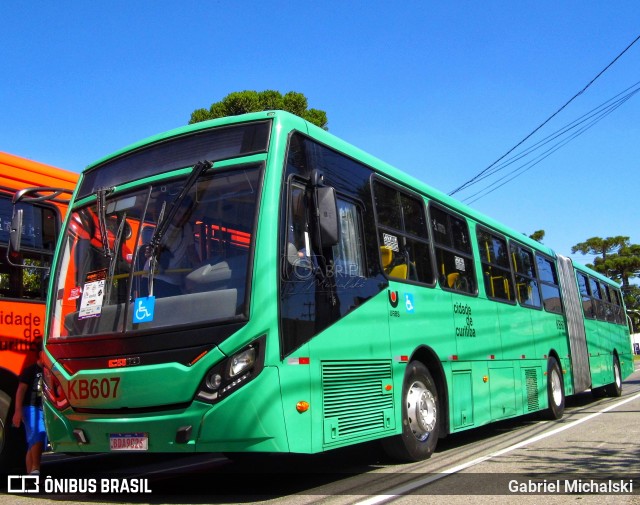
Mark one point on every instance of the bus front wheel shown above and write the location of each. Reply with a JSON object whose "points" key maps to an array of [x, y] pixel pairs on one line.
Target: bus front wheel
{"points": [[420, 417], [555, 390]]}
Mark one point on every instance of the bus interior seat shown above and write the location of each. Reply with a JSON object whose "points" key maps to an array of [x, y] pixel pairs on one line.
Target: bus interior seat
{"points": [[393, 264], [224, 274]]}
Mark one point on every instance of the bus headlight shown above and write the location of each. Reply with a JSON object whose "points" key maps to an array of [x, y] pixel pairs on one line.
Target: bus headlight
{"points": [[53, 390], [232, 373], [213, 380], [242, 361]]}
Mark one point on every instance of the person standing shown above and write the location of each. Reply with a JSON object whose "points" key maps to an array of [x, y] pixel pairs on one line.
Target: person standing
{"points": [[28, 410]]}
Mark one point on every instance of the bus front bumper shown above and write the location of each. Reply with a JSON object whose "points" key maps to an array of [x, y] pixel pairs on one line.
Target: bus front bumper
{"points": [[238, 423]]}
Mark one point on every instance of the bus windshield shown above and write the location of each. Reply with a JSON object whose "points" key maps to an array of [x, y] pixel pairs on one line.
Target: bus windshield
{"points": [[112, 280]]}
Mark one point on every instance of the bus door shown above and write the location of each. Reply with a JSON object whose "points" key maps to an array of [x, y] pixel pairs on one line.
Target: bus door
{"points": [[327, 325]]}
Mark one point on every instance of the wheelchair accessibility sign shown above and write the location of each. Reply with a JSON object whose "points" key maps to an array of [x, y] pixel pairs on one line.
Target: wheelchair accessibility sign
{"points": [[143, 309], [408, 303]]}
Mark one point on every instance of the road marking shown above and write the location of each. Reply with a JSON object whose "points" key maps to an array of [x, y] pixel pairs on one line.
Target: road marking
{"points": [[407, 488]]}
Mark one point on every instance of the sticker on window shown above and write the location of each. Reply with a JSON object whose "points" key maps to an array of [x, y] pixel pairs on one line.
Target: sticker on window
{"points": [[144, 308], [391, 241], [92, 295], [460, 264]]}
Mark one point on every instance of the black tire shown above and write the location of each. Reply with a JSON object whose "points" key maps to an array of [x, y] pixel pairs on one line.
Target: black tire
{"points": [[13, 446], [615, 388], [421, 417], [555, 390]]}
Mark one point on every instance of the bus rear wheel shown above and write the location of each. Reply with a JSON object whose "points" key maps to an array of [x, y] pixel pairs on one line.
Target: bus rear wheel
{"points": [[420, 417], [555, 390], [615, 388]]}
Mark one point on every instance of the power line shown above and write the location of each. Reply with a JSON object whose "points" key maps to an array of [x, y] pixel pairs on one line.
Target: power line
{"points": [[591, 119], [606, 106], [480, 174]]}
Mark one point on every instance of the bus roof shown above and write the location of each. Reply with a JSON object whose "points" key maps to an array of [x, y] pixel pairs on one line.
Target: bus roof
{"points": [[19, 173]]}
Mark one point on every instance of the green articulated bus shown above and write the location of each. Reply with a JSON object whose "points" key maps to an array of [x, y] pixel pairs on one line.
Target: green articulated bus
{"points": [[255, 284]]}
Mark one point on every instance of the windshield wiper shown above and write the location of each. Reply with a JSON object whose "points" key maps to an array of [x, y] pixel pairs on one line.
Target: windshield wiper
{"points": [[101, 196], [166, 216]]}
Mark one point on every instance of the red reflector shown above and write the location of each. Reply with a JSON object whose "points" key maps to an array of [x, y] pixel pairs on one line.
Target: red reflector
{"points": [[298, 361], [118, 362], [453, 358]]}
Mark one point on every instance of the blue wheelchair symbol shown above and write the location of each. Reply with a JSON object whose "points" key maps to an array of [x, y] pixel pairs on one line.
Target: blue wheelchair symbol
{"points": [[408, 303], [143, 309]]}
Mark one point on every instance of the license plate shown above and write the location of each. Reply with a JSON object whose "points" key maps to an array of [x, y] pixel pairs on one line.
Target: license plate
{"points": [[128, 442]]}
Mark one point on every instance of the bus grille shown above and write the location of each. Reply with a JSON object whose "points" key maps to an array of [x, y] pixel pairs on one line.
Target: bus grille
{"points": [[356, 399], [531, 380]]}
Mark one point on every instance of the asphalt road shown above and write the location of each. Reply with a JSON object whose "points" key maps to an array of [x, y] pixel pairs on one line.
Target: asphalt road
{"points": [[595, 447]]}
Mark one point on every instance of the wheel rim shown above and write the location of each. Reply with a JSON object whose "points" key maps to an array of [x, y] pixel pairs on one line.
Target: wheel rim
{"points": [[556, 387], [422, 411]]}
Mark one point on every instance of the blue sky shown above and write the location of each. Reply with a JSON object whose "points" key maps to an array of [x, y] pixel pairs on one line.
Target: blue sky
{"points": [[439, 89]]}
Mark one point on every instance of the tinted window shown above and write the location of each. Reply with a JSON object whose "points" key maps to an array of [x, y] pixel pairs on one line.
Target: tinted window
{"points": [[527, 288], [452, 244], [403, 235], [548, 276], [40, 230], [496, 270], [327, 284], [177, 152]]}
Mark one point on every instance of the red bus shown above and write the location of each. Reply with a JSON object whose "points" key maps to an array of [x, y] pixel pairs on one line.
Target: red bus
{"points": [[24, 278]]}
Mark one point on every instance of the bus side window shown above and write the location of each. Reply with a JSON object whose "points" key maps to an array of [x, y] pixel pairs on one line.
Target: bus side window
{"points": [[496, 268], [587, 304], [348, 256], [403, 234], [617, 307], [596, 296], [527, 288], [454, 257], [548, 276]]}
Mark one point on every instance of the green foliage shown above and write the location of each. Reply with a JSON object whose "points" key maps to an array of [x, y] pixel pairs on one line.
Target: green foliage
{"points": [[619, 260], [241, 102], [600, 246], [537, 235]]}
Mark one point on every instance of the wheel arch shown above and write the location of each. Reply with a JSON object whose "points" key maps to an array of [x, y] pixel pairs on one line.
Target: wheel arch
{"points": [[554, 354]]}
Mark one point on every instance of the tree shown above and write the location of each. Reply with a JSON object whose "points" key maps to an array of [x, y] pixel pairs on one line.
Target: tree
{"points": [[241, 102], [537, 235], [620, 261], [601, 246], [621, 265]]}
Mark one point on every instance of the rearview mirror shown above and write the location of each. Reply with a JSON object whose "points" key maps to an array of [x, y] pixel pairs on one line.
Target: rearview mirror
{"points": [[15, 234], [328, 221]]}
